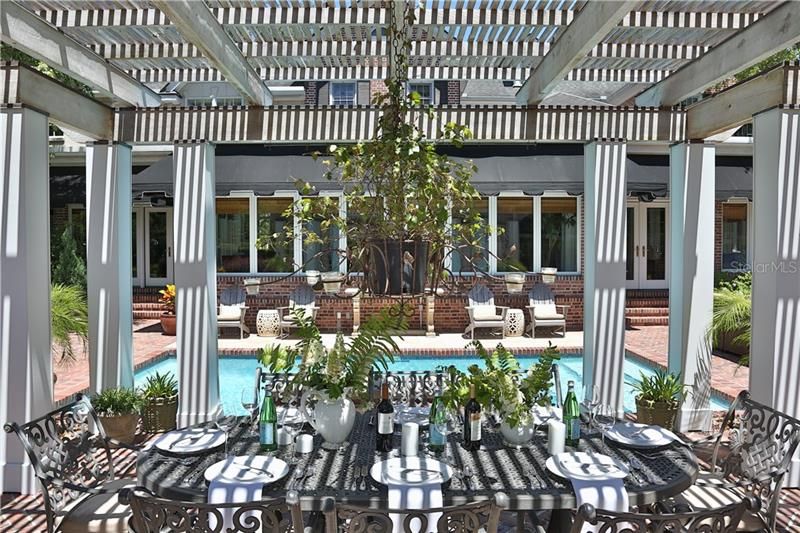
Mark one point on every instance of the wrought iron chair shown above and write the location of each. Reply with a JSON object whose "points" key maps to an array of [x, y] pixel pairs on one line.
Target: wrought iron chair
{"points": [[301, 298], [75, 468], [720, 520], [761, 444], [480, 516], [483, 313], [151, 514], [232, 310], [543, 310]]}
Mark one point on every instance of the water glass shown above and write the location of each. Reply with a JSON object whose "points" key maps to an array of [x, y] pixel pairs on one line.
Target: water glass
{"points": [[605, 417], [225, 424], [250, 404], [591, 399]]}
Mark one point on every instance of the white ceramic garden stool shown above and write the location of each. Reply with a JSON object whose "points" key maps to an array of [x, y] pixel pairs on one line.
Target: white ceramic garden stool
{"points": [[268, 323], [515, 323]]}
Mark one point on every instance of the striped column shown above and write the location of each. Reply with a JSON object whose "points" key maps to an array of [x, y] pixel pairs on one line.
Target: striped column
{"points": [[196, 282], [26, 376], [691, 277], [604, 275], [108, 264], [775, 345]]}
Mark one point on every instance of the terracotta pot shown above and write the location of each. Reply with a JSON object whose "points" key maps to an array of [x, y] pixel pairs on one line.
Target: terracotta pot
{"points": [[169, 323], [120, 427], [661, 414], [159, 414]]}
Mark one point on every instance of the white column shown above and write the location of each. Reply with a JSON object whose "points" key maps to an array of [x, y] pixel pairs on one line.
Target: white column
{"points": [[26, 377], [775, 345], [196, 282], [604, 277], [108, 264], [691, 278]]}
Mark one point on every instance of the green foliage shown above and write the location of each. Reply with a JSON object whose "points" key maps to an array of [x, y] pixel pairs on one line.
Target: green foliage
{"points": [[344, 368], [501, 386], [159, 387], [660, 387], [69, 319], [790, 54], [113, 402], [732, 310], [8, 53], [68, 267]]}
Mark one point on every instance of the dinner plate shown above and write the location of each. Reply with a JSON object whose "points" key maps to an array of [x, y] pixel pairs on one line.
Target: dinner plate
{"points": [[248, 469], [420, 415], [586, 466], [410, 471], [190, 440], [638, 435]]}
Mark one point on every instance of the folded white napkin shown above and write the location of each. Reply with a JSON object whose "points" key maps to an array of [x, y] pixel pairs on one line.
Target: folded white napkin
{"points": [[602, 492], [224, 490], [415, 496]]}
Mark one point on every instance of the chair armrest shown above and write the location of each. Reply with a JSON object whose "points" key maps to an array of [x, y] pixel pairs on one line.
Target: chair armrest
{"points": [[562, 306], [60, 483], [503, 311], [745, 484], [471, 311], [120, 444]]}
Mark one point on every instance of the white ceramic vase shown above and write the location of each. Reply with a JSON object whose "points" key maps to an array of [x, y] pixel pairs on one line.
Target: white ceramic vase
{"points": [[517, 436], [333, 419]]}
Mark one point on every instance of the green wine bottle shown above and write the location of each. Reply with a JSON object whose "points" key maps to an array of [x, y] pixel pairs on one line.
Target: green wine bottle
{"points": [[572, 416], [268, 423], [437, 417]]}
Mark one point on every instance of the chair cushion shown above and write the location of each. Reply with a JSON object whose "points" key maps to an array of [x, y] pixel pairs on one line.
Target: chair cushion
{"points": [[484, 312], [229, 312], [705, 495], [546, 312], [101, 513]]}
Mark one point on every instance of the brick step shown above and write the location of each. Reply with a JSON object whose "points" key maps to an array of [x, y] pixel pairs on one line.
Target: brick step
{"points": [[646, 302], [148, 306], [146, 298], [146, 314], [637, 321], [647, 311]]}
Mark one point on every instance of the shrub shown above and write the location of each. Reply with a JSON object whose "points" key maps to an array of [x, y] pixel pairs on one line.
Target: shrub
{"points": [[69, 319], [68, 267], [114, 402]]}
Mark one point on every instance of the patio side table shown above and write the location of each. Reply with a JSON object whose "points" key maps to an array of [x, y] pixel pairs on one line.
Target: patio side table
{"points": [[268, 323], [515, 323]]}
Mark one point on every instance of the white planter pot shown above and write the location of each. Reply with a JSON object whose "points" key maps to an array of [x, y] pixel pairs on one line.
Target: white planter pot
{"points": [[549, 274], [332, 282], [312, 277], [514, 282], [519, 435], [333, 419], [251, 286]]}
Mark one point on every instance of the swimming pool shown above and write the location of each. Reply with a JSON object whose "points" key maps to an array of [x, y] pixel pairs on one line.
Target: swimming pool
{"points": [[236, 373]]}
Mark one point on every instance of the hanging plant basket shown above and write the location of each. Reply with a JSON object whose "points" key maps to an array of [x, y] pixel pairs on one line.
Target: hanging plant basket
{"points": [[514, 282], [312, 277], [549, 274], [251, 286], [332, 281]]}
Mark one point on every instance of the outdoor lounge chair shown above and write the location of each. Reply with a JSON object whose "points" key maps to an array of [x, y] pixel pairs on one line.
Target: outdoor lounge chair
{"points": [[480, 516], [302, 298], [482, 311], [543, 310], [722, 519], [151, 514], [75, 469], [761, 444], [232, 310]]}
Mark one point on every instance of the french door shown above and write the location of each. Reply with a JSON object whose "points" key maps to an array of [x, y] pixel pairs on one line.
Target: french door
{"points": [[647, 263], [154, 224]]}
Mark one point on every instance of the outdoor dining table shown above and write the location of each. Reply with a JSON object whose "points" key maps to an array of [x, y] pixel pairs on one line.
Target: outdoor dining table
{"points": [[518, 472]]}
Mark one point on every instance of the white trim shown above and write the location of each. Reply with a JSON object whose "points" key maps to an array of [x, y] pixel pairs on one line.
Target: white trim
{"points": [[537, 233], [749, 231], [354, 84], [429, 83], [139, 245], [493, 235], [578, 232], [292, 196], [253, 232]]}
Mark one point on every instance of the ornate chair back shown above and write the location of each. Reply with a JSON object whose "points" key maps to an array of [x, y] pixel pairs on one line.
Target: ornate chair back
{"points": [[722, 520], [480, 294], [411, 388], [68, 457], [479, 516], [762, 444], [151, 514]]}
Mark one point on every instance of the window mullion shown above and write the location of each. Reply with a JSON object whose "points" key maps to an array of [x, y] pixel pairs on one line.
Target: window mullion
{"points": [[537, 233]]}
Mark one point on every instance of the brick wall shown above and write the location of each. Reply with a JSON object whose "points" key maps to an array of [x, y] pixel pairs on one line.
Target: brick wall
{"points": [[376, 87], [59, 218], [311, 93], [453, 92], [718, 236]]}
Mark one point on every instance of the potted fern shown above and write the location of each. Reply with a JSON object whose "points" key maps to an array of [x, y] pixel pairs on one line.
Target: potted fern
{"points": [[658, 398], [118, 410], [160, 403]]}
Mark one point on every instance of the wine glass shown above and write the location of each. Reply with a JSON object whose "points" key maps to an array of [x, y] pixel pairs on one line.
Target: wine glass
{"points": [[225, 424], [605, 417], [591, 399], [445, 423], [250, 404], [292, 422]]}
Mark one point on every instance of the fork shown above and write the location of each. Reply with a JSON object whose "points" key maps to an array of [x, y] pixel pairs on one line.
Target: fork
{"points": [[364, 473], [356, 477], [534, 481], [298, 476]]}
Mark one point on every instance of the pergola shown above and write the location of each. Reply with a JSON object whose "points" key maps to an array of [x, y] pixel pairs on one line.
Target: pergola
{"points": [[654, 53]]}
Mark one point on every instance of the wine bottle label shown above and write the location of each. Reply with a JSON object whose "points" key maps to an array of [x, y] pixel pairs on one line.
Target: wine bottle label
{"points": [[266, 434], [575, 428], [475, 426], [385, 423], [437, 439]]}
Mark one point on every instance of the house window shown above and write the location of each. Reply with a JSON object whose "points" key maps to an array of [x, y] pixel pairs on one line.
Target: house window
{"points": [[515, 244], [560, 233], [343, 94], [466, 258], [425, 91], [321, 236], [77, 221], [233, 235], [275, 253], [734, 236]]}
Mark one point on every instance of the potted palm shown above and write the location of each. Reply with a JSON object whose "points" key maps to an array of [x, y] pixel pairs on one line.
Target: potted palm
{"points": [[658, 398], [159, 402], [168, 318], [118, 410]]}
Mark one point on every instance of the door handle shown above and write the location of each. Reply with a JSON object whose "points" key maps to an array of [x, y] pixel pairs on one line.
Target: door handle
{"points": [[169, 251], [644, 251], [637, 250]]}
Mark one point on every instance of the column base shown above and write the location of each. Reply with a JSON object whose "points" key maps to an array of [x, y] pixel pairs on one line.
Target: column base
{"points": [[694, 419], [18, 477]]}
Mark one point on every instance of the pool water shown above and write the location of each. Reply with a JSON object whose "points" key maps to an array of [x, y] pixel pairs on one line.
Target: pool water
{"points": [[237, 373]]}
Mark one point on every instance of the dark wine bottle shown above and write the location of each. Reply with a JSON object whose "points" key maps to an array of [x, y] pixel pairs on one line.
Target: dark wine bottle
{"points": [[385, 425], [472, 422]]}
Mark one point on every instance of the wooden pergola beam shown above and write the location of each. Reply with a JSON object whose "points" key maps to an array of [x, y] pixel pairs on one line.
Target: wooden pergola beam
{"points": [[198, 26], [777, 30], [590, 25], [25, 31]]}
